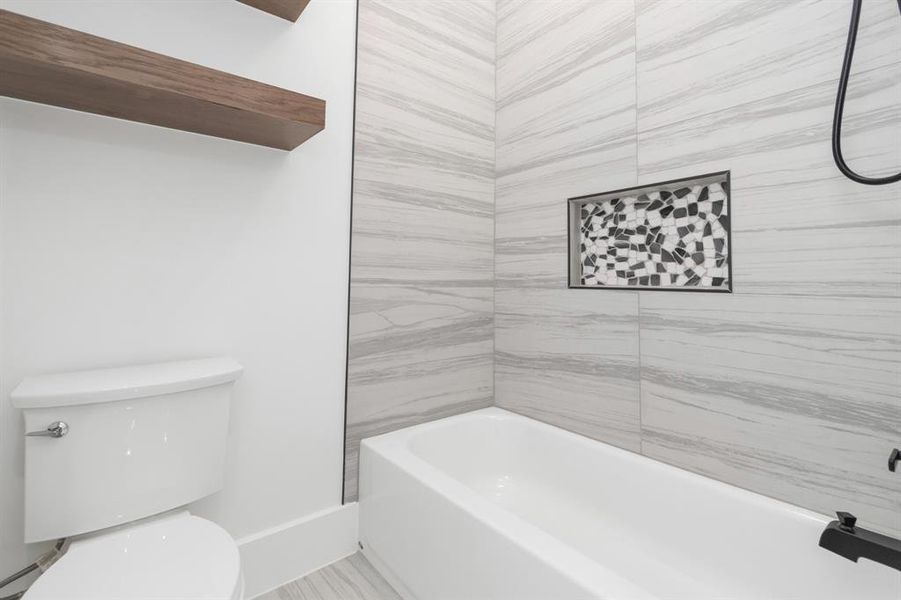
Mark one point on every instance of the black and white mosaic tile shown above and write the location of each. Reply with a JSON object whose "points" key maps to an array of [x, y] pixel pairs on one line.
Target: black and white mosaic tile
{"points": [[673, 236]]}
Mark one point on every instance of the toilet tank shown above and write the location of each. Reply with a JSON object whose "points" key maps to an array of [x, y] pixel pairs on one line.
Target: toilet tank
{"points": [[140, 440]]}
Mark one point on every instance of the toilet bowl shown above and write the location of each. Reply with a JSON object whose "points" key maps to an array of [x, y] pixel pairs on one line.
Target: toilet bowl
{"points": [[173, 557], [112, 457]]}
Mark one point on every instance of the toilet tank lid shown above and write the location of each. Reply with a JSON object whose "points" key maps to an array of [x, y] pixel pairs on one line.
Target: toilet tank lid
{"points": [[123, 383]]}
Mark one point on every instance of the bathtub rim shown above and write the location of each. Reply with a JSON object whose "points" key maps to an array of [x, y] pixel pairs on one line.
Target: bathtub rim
{"points": [[396, 441]]}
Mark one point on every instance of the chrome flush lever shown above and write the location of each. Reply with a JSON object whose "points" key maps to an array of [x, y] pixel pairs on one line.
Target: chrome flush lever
{"points": [[57, 429]]}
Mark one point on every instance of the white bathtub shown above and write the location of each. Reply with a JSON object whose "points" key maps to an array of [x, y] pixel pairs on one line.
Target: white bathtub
{"points": [[491, 504]]}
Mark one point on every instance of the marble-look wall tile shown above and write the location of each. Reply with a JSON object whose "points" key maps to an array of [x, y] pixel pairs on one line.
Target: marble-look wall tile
{"points": [[420, 233], [565, 127], [531, 211], [422, 265], [789, 386], [697, 57], [799, 226], [570, 358], [565, 79], [792, 397], [417, 353], [424, 142]]}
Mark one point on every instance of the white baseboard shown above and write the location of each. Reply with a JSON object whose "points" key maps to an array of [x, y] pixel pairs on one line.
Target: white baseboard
{"points": [[275, 556]]}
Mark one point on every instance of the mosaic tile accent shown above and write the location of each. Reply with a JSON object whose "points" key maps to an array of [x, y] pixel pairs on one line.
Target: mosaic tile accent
{"points": [[668, 235]]}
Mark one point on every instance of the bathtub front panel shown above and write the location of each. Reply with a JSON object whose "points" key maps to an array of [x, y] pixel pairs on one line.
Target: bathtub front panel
{"points": [[620, 524]]}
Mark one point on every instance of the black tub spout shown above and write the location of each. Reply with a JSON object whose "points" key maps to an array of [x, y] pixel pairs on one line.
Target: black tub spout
{"points": [[845, 539]]}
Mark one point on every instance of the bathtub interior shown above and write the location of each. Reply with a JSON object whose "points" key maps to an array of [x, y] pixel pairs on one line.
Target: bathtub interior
{"points": [[674, 533]]}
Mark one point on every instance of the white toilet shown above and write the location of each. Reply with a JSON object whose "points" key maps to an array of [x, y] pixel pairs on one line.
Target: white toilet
{"points": [[109, 455]]}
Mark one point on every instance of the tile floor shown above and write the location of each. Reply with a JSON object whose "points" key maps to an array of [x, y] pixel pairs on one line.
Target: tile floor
{"points": [[352, 578]]}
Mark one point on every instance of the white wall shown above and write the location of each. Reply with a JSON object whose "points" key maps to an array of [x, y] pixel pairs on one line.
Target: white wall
{"points": [[124, 243]]}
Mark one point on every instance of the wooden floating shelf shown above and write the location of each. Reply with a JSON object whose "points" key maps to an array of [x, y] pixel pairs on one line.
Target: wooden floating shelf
{"points": [[50, 64], [286, 9]]}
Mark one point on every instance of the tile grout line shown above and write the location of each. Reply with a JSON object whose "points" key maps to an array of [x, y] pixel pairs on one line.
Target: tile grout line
{"points": [[494, 234], [640, 421], [350, 235], [637, 294], [635, 73]]}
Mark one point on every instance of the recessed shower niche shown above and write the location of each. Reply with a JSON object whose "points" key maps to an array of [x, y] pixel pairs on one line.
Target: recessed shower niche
{"points": [[672, 235]]}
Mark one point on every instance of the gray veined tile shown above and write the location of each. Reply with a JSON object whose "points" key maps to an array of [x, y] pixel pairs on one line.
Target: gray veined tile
{"points": [[543, 45], [565, 79], [570, 358], [795, 123], [565, 126], [696, 57], [404, 232], [424, 145], [422, 271], [416, 353], [425, 105], [530, 215], [438, 53], [799, 226], [731, 88], [792, 397], [352, 578]]}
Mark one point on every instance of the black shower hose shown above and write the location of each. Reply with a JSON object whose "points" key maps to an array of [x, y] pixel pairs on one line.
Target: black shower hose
{"points": [[840, 107]]}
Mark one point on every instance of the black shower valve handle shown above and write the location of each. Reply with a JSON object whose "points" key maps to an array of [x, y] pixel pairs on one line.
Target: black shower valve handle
{"points": [[846, 520], [893, 459]]}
